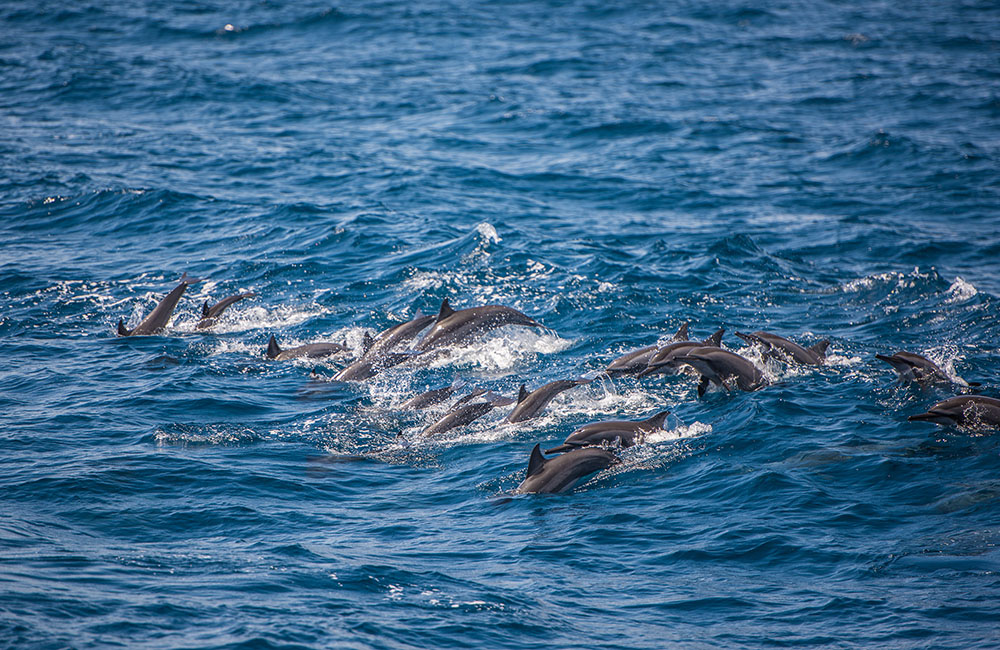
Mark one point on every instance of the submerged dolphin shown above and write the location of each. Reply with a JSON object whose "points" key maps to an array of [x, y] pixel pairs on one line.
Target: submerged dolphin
{"points": [[457, 326], [466, 413], [718, 366], [432, 397], [814, 355], [625, 432], [637, 360], [377, 352], [565, 471], [531, 404], [665, 359], [309, 350], [160, 316], [210, 315], [919, 369], [965, 410]]}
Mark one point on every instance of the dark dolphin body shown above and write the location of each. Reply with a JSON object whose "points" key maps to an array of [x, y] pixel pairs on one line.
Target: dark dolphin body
{"points": [[565, 471], [465, 414], [531, 404], [625, 432], [964, 411], [210, 315], [432, 397], [453, 327], [637, 360], [309, 350], [718, 366], [916, 368], [776, 346], [378, 354], [665, 359], [160, 316]]}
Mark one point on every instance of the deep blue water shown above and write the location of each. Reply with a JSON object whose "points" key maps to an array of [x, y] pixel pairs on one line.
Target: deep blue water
{"points": [[817, 169]]}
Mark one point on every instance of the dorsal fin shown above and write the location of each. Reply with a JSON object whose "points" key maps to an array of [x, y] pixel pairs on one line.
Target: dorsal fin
{"points": [[522, 394], [715, 340], [820, 348], [272, 348], [445, 311], [366, 343], [122, 331], [536, 462], [205, 310], [682, 332], [656, 422]]}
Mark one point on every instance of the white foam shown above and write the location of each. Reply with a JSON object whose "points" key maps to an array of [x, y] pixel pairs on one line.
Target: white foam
{"points": [[960, 291]]}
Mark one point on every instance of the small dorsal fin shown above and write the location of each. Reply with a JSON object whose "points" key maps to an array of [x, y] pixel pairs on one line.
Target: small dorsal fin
{"points": [[205, 311], [122, 331], [522, 394], [820, 348], [536, 462], [366, 343], [656, 422], [682, 332], [715, 340], [445, 311], [272, 348]]}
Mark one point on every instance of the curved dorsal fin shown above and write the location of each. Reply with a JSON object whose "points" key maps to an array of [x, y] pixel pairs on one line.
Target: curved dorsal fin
{"points": [[536, 462], [205, 311], [366, 343], [820, 348], [682, 332], [272, 348], [657, 420], [522, 394], [445, 311], [715, 340], [122, 331]]}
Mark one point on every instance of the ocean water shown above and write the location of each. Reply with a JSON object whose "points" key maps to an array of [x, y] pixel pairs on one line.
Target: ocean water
{"points": [[816, 169]]}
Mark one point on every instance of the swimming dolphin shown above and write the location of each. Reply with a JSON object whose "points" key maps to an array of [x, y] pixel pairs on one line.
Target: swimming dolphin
{"points": [[309, 350], [965, 410], [531, 404], [665, 359], [465, 414], [637, 360], [565, 471], [776, 346], [457, 326], [919, 369], [157, 319], [626, 432], [432, 397], [210, 315], [717, 366], [377, 352]]}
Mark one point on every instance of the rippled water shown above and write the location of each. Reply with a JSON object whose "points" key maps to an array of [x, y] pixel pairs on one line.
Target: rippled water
{"points": [[818, 170]]}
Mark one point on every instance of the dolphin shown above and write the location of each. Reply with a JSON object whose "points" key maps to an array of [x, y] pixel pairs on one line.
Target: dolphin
{"points": [[636, 360], [377, 352], [157, 319], [665, 359], [457, 326], [919, 369], [531, 404], [309, 350], [432, 397], [210, 315], [563, 472], [964, 410], [626, 432], [814, 355], [465, 414], [717, 366]]}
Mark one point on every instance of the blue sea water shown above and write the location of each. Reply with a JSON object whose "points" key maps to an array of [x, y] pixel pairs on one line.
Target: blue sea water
{"points": [[816, 169]]}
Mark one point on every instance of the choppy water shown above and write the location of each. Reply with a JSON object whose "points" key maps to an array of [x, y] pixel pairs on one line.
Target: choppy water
{"points": [[814, 169]]}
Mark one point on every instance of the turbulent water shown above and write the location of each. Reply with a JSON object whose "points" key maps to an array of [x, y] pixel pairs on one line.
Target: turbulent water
{"points": [[818, 170]]}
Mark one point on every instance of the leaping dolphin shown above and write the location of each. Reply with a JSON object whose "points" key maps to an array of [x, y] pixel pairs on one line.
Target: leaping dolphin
{"points": [[624, 432], [565, 471], [531, 404], [210, 315], [466, 413], [917, 368], [457, 326], [814, 355], [377, 352], [718, 366], [964, 411], [637, 360], [157, 319], [665, 359], [309, 350]]}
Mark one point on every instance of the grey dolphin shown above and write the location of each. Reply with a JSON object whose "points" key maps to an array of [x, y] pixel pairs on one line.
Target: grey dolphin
{"points": [[210, 315], [626, 432], [637, 360], [665, 359], [432, 397], [965, 410], [814, 355], [717, 366], [377, 352], [457, 326], [917, 368], [565, 471], [160, 316], [309, 350], [531, 404], [465, 414]]}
